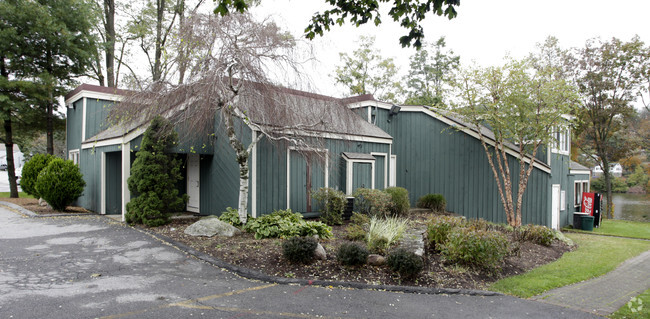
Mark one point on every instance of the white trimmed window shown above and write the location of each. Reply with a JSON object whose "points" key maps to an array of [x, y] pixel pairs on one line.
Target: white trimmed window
{"points": [[73, 155], [562, 142], [579, 187]]}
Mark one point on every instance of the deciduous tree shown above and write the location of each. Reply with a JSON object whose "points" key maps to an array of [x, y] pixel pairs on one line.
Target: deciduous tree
{"points": [[431, 74]]}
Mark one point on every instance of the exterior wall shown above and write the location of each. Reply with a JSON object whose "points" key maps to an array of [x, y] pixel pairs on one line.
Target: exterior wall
{"points": [[96, 114], [73, 126], [560, 175], [90, 163], [571, 207], [434, 158]]}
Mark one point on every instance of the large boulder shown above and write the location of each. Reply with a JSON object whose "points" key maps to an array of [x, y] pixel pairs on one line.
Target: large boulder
{"points": [[211, 226], [320, 252]]}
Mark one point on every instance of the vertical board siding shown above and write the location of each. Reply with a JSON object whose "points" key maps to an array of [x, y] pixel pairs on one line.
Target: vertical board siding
{"points": [[380, 171], [90, 166], [73, 126], [113, 182], [560, 166], [96, 114], [361, 175], [434, 158]]}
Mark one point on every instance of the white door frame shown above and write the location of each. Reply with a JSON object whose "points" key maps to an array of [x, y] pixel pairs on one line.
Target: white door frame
{"points": [[555, 206], [196, 169]]}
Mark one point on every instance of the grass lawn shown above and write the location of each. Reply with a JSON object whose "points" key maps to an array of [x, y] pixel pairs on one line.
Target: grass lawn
{"points": [[624, 228], [595, 256], [642, 301], [20, 194]]}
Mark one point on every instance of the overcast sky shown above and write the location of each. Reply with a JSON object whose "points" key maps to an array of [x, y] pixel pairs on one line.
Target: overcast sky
{"points": [[484, 31]]}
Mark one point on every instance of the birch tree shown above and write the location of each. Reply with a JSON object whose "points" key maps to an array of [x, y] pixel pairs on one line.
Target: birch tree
{"points": [[522, 106], [233, 76]]}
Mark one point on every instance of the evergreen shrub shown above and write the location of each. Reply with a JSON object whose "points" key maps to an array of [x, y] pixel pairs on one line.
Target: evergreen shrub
{"points": [[406, 263], [299, 249], [332, 203], [154, 175], [435, 202], [478, 248], [400, 200], [351, 254], [372, 202], [60, 183], [31, 169]]}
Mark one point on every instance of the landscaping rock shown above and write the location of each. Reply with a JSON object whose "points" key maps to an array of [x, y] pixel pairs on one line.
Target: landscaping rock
{"points": [[413, 240], [376, 260], [211, 226], [320, 252]]}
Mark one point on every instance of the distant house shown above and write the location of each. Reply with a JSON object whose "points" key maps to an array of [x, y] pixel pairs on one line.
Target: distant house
{"points": [[19, 157], [382, 145], [616, 169]]}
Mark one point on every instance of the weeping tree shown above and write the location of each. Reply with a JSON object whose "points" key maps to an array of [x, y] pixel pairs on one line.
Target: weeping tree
{"points": [[233, 77], [523, 106]]}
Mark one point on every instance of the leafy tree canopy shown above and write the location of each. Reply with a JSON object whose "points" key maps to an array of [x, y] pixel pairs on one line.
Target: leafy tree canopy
{"points": [[409, 13]]}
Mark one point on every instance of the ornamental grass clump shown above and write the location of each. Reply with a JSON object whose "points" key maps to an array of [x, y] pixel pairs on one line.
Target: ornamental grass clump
{"points": [[400, 203], [351, 254], [332, 203], [384, 232], [406, 263], [477, 248], [438, 230], [299, 249], [372, 202], [435, 202]]}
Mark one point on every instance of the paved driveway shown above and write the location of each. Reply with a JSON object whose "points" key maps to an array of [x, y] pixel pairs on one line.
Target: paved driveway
{"points": [[89, 267]]}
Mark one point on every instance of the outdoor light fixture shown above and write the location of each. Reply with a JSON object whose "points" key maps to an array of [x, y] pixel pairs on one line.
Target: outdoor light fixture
{"points": [[394, 110]]}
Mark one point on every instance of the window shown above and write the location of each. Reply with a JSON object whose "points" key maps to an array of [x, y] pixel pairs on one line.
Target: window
{"points": [[579, 187], [74, 156], [562, 140]]}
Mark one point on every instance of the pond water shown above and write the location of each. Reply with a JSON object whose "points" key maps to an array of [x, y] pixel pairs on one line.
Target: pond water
{"points": [[634, 207]]}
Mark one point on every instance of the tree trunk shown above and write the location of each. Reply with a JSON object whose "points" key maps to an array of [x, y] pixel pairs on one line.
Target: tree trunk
{"points": [[242, 159], [160, 11], [9, 147], [608, 188], [109, 27], [50, 126]]}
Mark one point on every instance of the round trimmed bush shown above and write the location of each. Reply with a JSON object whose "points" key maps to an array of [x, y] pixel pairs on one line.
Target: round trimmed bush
{"points": [[406, 263], [30, 173], [332, 203], [299, 249], [372, 202], [537, 234], [435, 202], [60, 183], [438, 230], [479, 248], [350, 254], [401, 203]]}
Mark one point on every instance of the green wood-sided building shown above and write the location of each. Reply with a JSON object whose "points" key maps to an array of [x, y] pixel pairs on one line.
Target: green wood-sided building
{"points": [[369, 144]]}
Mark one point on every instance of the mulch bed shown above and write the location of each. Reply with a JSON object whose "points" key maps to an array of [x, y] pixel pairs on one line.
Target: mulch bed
{"points": [[265, 255]]}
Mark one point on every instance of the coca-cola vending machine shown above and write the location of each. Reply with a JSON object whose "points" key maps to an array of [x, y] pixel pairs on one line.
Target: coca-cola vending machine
{"points": [[591, 205]]}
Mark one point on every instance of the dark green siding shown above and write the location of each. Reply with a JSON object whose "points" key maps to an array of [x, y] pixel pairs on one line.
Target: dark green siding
{"points": [[113, 182], [434, 158], [299, 167], [90, 162], [96, 113], [361, 175], [380, 171], [73, 126], [560, 167]]}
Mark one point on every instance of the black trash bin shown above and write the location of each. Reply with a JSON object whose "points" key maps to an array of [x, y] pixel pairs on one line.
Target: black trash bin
{"points": [[587, 222], [577, 220]]}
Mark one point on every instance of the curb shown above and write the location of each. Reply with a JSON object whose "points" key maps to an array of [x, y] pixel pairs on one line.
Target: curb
{"points": [[257, 275], [30, 213]]}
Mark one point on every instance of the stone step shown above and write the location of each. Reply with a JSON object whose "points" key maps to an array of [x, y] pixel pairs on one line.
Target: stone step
{"points": [[413, 240]]}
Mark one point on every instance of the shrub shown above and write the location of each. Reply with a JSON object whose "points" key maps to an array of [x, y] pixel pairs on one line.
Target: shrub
{"points": [[60, 183], [30, 173], [299, 249], [479, 248], [231, 216], [400, 200], [331, 203], [435, 202], [438, 230], [154, 175], [350, 254], [382, 233], [285, 224], [372, 202], [407, 264], [355, 232], [538, 234], [359, 219]]}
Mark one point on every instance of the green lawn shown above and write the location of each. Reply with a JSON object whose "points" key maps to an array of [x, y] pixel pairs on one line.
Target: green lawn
{"points": [[641, 301], [20, 194], [595, 256], [621, 228]]}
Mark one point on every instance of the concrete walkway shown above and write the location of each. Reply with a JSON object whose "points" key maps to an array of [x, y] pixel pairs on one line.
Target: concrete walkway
{"points": [[605, 294]]}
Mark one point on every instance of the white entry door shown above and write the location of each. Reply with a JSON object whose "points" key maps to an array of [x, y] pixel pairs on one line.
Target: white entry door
{"points": [[193, 182], [555, 207]]}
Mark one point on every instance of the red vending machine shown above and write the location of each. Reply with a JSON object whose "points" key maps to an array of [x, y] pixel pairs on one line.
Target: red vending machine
{"points": [[591, 205]]}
